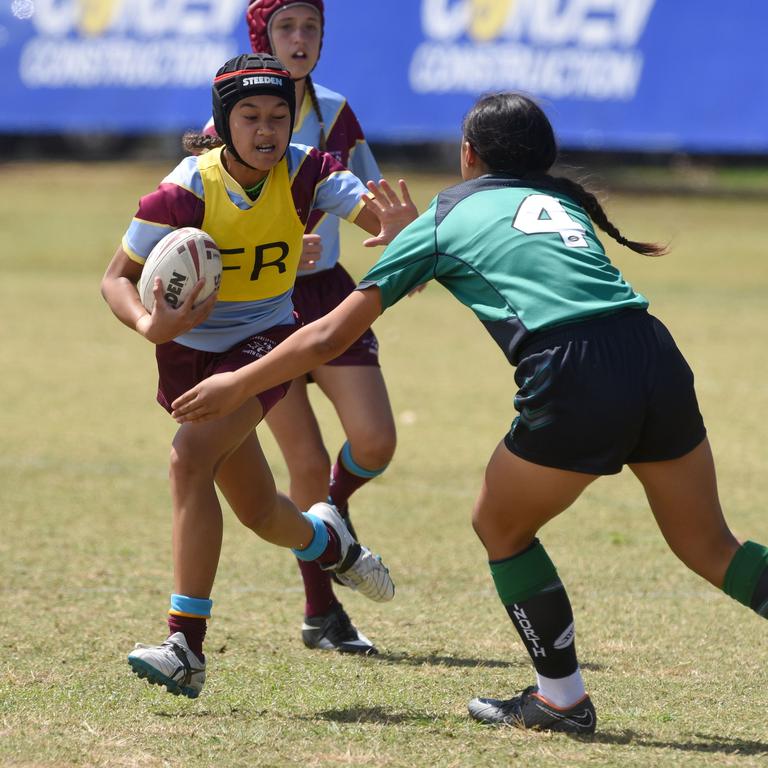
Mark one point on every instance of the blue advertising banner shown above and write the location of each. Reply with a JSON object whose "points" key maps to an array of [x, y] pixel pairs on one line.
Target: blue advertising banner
{"points": [[662, 75], [113, 65], [659, 75]]}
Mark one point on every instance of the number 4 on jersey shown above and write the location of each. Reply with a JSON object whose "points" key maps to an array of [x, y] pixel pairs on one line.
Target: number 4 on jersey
{"points": [[543, 214]]}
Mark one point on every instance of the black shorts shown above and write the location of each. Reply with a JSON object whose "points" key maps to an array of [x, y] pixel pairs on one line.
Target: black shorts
{"points": [[605, 392]]}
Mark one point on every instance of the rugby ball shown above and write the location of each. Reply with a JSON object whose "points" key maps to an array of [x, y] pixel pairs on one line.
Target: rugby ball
{"points": [[180, 259]]}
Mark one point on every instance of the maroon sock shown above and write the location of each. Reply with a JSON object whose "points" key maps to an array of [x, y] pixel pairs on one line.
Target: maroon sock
{"points": [[193, 630], [318, 589], [332, 553], [343, 483]]}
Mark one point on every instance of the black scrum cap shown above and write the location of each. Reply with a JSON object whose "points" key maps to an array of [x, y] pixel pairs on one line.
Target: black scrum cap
{"points": [[245, 75]]}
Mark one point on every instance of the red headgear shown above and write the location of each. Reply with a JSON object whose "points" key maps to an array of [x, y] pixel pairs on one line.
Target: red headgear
{"points": [[259, 17]]}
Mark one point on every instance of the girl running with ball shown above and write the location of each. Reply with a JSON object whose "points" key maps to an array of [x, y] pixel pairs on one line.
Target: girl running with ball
{"points": [[253, 196]]}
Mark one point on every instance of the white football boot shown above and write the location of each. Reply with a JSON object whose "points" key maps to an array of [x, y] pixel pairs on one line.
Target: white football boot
{"points": [[357, 567], [171, 664]]}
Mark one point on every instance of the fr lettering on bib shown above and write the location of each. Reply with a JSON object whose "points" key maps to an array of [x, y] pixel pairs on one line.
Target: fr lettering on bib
{"points": [[261, 245]]}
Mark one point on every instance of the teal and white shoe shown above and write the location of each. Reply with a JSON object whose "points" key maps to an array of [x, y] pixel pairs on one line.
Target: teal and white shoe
{"points": [[171, 664]]}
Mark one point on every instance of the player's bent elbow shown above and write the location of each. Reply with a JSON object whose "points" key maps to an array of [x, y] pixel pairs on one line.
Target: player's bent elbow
{"points": [[328, 343], [104, 288], [325, 349]]}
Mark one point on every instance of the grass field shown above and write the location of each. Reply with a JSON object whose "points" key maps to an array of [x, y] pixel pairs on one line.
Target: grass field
{"points": [[677, 670]]}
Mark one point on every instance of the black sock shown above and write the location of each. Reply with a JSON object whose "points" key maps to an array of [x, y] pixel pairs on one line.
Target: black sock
{"points": [[545, 625]]}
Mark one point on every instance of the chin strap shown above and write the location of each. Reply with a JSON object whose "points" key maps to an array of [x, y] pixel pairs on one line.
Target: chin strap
{"points": [[236, 155]]}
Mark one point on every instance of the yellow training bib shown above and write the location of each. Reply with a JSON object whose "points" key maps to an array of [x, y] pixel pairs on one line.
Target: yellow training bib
{"points": [[260, 246]]}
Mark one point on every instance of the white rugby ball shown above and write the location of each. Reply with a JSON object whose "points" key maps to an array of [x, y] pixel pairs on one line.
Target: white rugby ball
{"points": [[180, 259]]}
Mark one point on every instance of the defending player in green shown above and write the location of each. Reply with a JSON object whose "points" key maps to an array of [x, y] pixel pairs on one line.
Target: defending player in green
{"points": [[601, 384]]}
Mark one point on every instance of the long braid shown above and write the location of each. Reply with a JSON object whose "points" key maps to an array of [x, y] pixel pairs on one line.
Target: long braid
{"points": [[197, 143], [511, 134], [316, 107], [591, 205]]}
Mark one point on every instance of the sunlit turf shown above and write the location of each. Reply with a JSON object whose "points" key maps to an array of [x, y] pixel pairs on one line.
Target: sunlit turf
{"points": [[676, 669]]}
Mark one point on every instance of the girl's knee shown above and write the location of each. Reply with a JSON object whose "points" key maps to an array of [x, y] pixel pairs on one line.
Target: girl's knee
{"points": [[375, 449], [707, 555], [501, 531], [183, 462]]}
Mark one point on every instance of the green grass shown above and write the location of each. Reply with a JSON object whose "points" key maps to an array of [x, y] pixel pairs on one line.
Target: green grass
{"points": [[683, 173], [677, 670]]}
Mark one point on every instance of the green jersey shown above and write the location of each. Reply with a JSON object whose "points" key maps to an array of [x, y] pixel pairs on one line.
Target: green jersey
{"points": [[522, 259]]}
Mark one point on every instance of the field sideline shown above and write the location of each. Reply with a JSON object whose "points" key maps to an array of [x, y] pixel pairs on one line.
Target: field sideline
{"points": [[677, 670]]}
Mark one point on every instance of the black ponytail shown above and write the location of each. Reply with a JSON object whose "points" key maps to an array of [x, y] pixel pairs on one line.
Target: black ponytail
{"points": [[592, 206], [511, 134]]}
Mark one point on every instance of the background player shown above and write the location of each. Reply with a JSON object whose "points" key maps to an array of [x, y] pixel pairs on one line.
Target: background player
{"points": [[353, 382], [601, 384], [253, 194]]}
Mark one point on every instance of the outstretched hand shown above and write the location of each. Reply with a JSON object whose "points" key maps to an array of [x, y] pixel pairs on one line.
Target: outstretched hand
{"points": [[215, 396], [393, 214]]}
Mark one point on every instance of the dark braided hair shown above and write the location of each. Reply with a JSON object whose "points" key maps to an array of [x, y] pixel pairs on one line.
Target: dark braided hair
{"points": [[511, 134], [196, 143], [316, 107]]}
